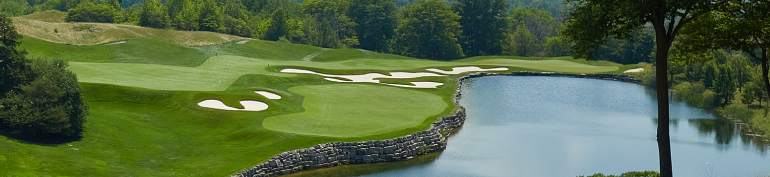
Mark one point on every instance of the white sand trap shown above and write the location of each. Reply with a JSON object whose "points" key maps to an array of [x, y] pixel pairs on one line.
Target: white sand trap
{"points": [[119, 42], [419, 85], [248, 105], [637, 70], [458, 70], [269, 95], [242, 42], [370, 77]]}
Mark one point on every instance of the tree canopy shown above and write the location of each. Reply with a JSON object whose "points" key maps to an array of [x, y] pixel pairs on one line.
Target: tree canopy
{"points": [[591, 21], [429, 30]]}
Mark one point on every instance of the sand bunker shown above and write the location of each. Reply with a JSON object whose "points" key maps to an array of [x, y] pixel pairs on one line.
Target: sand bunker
{"points": [[637, 70], [371, 77], [119, 42], [419, 85], [458, 70], [242, 42], [248, 105], [269, 95]]}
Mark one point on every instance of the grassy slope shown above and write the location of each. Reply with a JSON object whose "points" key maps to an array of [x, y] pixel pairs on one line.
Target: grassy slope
{"points": [[144, 121], [65, 33]]}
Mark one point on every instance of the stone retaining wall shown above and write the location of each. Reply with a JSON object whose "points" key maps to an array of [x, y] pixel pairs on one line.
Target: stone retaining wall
{"points": [[391, 150]]}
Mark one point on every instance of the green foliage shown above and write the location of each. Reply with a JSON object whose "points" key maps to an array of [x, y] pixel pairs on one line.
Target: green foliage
{"points": [[186, 14], [329, 26], [709, 74], [51, 106], [522, 43], [376, 23], [14, 69], [90, 12], [639, 48], [279, 26], [484, 26], [738, 112], [211, 16], [15, 7], [557, 46], [629, 174], [153, 14], [724, 85], [429, 30]]}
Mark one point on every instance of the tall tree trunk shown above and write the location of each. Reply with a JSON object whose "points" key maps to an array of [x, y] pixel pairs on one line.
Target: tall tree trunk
{"points": [[664, 141], [765, 71]]}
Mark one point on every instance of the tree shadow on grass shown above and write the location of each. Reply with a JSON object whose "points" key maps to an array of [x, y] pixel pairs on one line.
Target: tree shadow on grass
{"points": [[43, 140]]}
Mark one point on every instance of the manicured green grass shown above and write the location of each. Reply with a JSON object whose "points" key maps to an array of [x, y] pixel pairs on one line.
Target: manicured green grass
{"points": [[353, 110], [145, 122], [135, 50], [217, 73], [261, 49]]}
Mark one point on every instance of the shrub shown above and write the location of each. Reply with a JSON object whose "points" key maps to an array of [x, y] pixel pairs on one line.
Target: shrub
{"points": [[710, 99], [50, 107], [738, 112], [90, 12]]}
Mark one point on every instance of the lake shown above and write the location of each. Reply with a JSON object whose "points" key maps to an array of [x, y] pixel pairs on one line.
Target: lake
{"points": [[552, 126]]}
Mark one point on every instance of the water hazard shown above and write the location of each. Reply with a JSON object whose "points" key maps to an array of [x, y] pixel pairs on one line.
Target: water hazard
{"points": [[550, 126]]}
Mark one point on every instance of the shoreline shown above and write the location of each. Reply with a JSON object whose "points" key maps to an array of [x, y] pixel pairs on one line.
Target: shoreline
{"points": [[433, 139]]}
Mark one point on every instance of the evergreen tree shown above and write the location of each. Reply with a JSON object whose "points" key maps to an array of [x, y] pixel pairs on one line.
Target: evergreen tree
{"points": [[484, 25], [14, 69]]}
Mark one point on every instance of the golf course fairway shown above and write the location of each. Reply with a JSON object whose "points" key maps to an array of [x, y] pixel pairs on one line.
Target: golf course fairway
{"points": [[144, 118]]}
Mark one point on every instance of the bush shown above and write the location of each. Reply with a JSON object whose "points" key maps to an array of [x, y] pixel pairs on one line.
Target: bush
{"points": [[90, 12], [48, 108], [710, 99], [738, 112]]}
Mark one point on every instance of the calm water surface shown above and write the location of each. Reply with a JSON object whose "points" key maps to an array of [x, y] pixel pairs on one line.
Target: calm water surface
{"points": [[551, 126]]}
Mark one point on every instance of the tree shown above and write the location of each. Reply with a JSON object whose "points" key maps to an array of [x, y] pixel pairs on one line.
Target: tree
{"points": [[211, 16], [484, 25], [740, 25], [90, 12], [591, 21], [556, 47], [522, 43], [154, 14], [40, 99], [50, 107], [188, 17], [376, 22], [14, 69], [429, 30], [328, 24], [724, 85], [279, 26]]}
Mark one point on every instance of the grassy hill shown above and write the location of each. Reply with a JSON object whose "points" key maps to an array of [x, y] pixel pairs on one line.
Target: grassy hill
{"points": [[145, 122], [49, 26]]}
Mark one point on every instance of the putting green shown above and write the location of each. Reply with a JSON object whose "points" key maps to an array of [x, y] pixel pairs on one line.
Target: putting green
{"points": [[352, 110]]}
